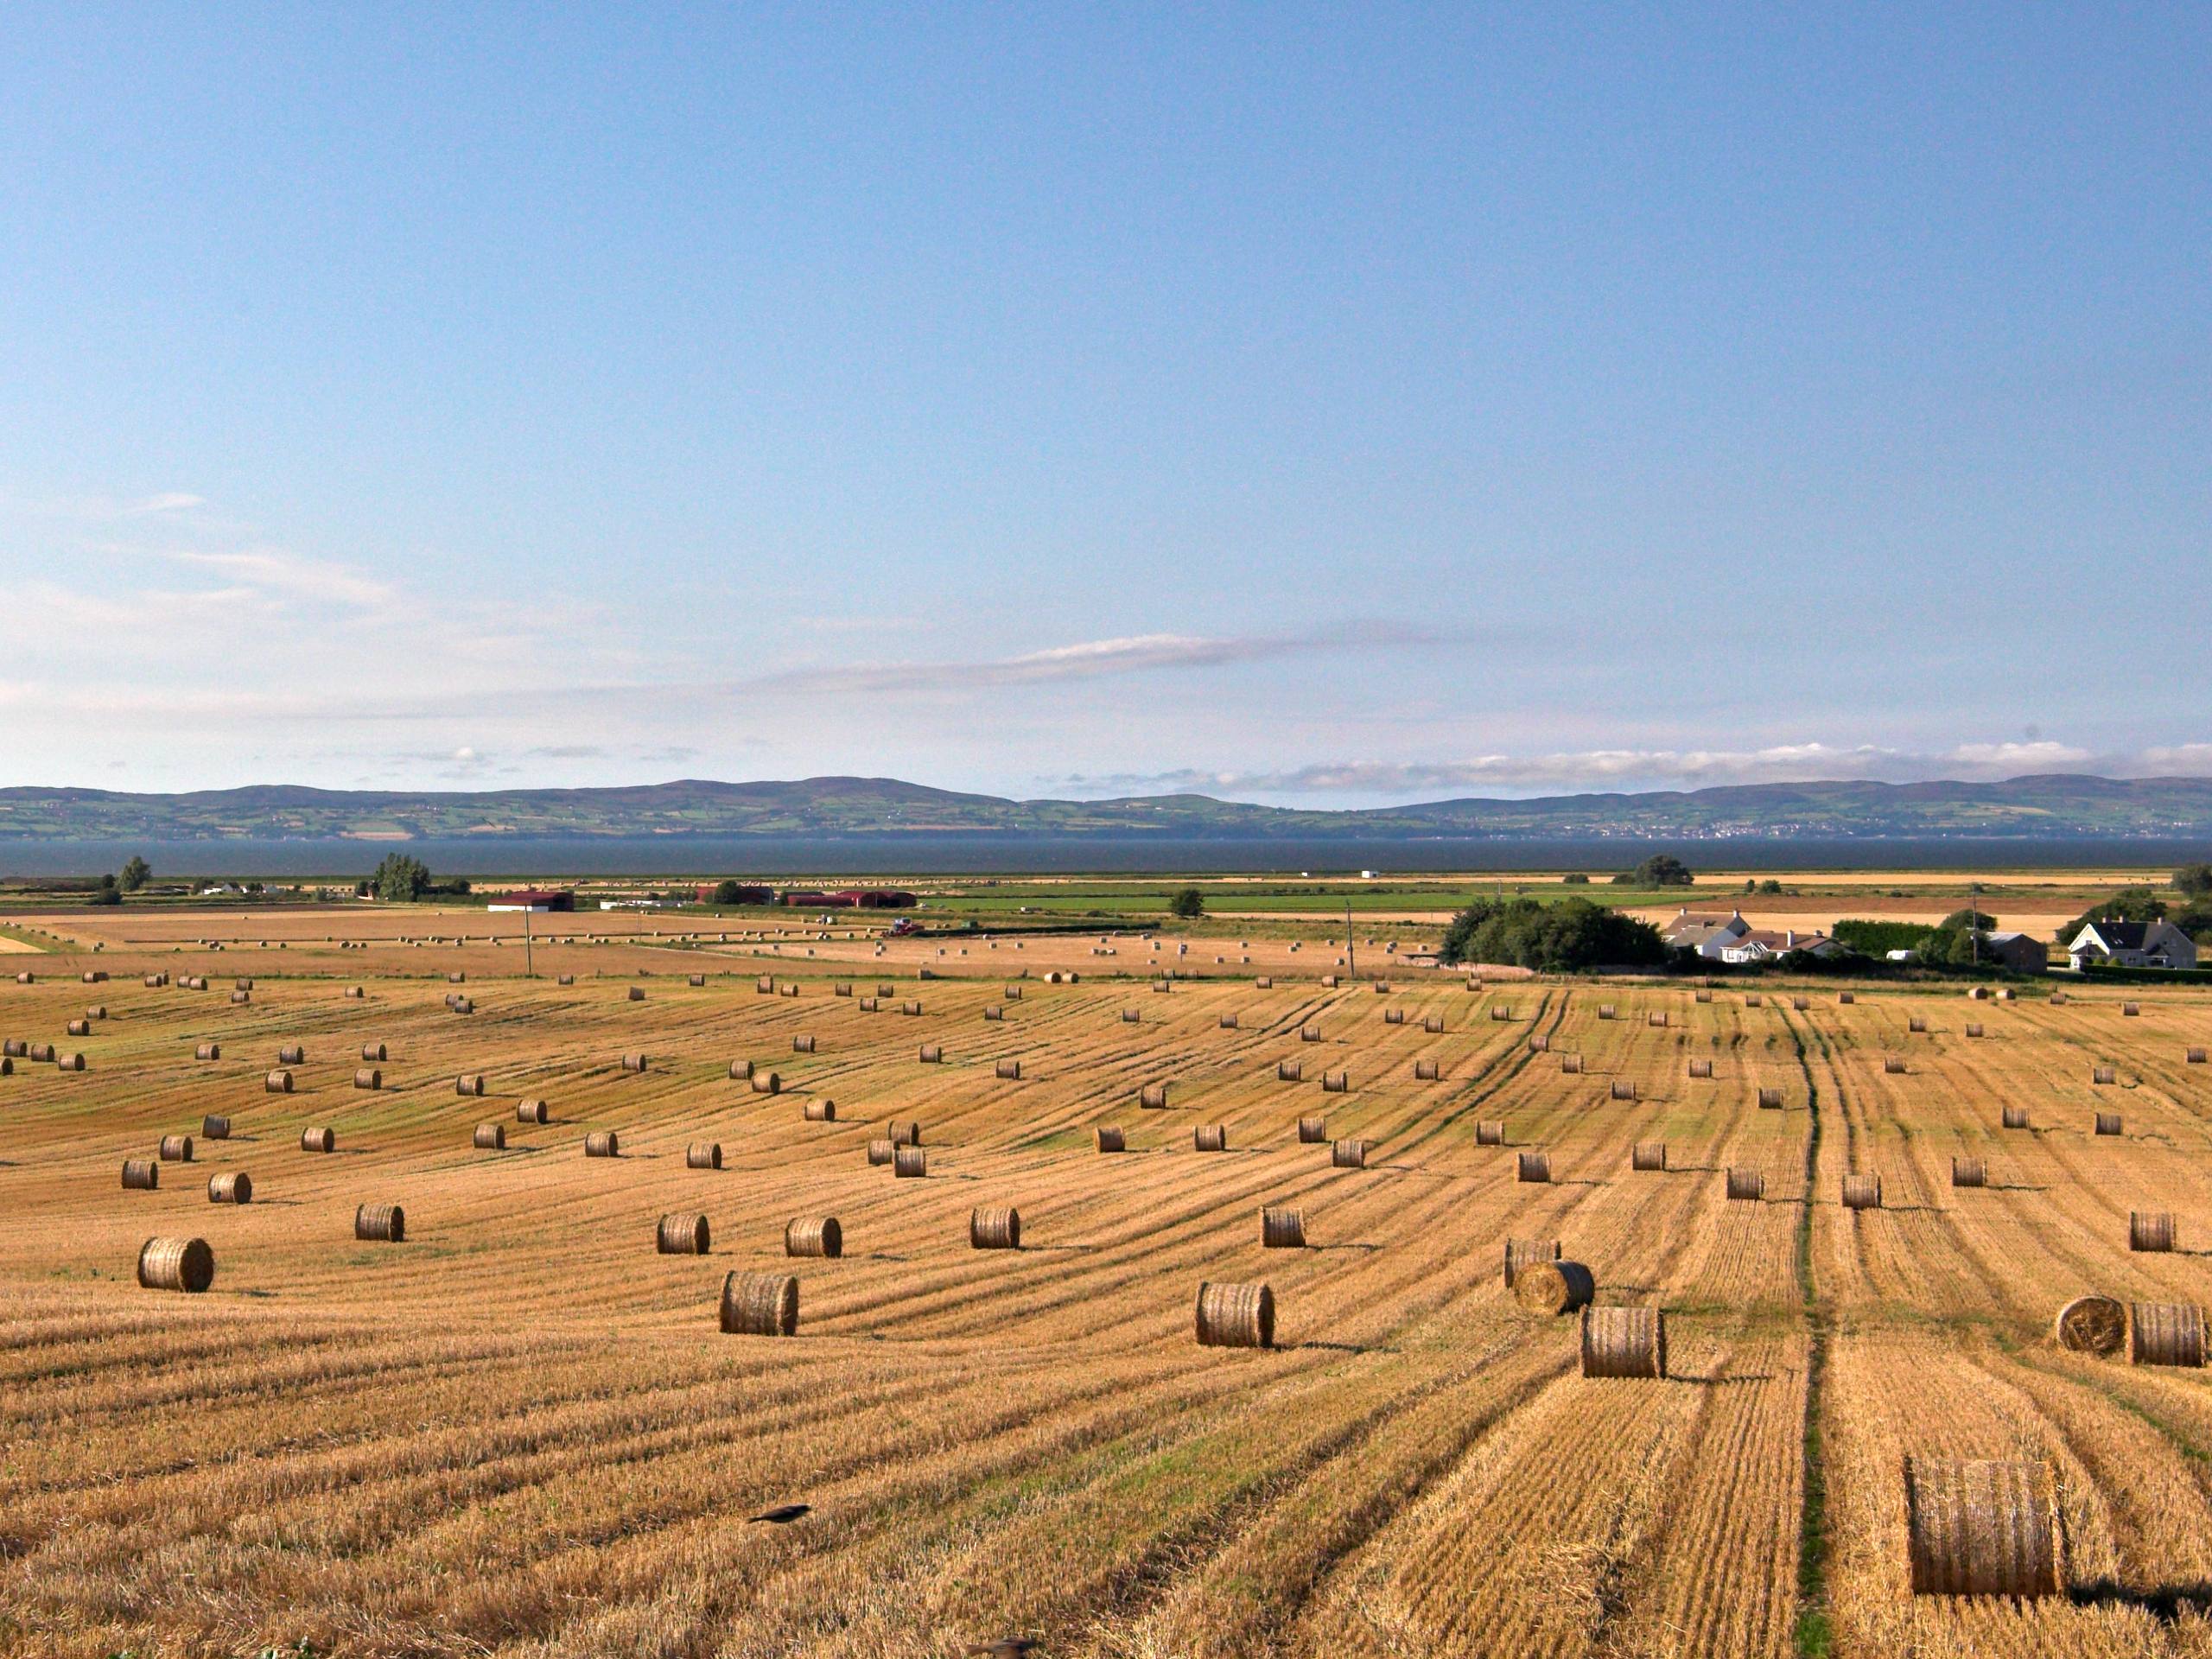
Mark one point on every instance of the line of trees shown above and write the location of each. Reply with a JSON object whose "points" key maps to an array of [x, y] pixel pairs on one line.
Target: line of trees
{"points": [[1574, 934]]}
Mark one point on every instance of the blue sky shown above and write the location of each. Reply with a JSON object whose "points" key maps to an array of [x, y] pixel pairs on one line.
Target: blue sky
{"points": [[1339, 405]]}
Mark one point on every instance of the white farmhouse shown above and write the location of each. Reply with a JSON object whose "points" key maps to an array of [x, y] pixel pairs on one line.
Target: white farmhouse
{"points": [[2132, 944]]}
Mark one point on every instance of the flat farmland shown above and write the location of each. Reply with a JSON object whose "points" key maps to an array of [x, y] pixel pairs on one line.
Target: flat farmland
{"points": [[520, 1431]]}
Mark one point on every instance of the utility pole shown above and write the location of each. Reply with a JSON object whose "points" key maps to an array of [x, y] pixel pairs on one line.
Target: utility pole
{"points": [[1351, 952], [528, 972]]}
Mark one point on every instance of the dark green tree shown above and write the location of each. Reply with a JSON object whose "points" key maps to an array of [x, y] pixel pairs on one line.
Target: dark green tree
{"points": [[400, 879], [1959, 919], [1660, 870], [136, 873], [106, 892], [1550, 939], [1188, 905], [2128, 905], [2194, 879]]}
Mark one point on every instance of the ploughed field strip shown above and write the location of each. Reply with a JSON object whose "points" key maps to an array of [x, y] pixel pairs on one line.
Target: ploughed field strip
{"points": [[453, 1391]]}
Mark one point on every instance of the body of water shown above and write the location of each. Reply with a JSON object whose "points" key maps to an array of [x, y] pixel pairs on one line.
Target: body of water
{"points": [[859, 856]]}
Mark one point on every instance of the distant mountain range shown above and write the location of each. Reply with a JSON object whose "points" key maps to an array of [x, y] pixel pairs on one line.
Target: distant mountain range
{"points": [[2052, 807]]}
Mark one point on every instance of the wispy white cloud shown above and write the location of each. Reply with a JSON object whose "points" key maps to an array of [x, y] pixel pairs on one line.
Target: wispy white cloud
{"points": [[1650, 768], [290, 575]]}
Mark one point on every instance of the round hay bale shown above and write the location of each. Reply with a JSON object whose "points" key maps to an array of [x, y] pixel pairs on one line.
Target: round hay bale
{"points": [[910, 1009], [1130, 1017], [2195, 1057], [1228, 1022], [759, 1305], [356, 993], [636, 1064], [1893, 1065], [1968, 1172], [533, 1111], [1163, 986], [816, 1236], [318, 1138], [741, 1070], [1622, 1088], [1551, 1288], [463, 1005], [767, 1083], [1289, 1071], [1309, 1033], [1862, 1192], [684, 1234], [2151, 1230], [374, 1053], [491, 1137], [6, 1066], [695, 981], [1011, 993], [2129, 1010], [1010, 1071], [213, 1127], [1973, 1028], [910, 1163], [703, 1155], [904, 1132], [1657, 1019], [1398, 1016], [821, 1111], [1210, 1137], [278, 1082], [1570, 1065], [1623, 1342], [1490, 1131], [636, 994], [242, 984], [1336, 1083], [1434, 1025], [1847, 998], [1236, 1316], [602, 1143], [69, 1062], [1605, 1011], [1802, 1004], [2016, 1117], [241, 997], [176, 1148], [1329, 981], [141, 1175], [1525, 1250], [880, 1151], [18, 1048], [380, 1224], [237, 1187], [1917, 1025], [1347, 1155], [2103, 1076], [1746, 1185], [80, 1028], [1770, 1100], [1753, 1001], [1981, 1527], [292, 1054], [185, 1264], [932, 1053], [1110, 1139], [1263, 983], [470, 1084], [2109, 1123], [995, 1227], [1540, 1044], [40, 1053], [368, 1078], [1312, 1131], [1282, 1228], [994, 1012], [803, 1044], [1426, 1072], [1704, 996], [1153, 1098], [1649, 1155], [1702, 1069], [1536, 1167], [2165, 1333], [2091, 1324]]}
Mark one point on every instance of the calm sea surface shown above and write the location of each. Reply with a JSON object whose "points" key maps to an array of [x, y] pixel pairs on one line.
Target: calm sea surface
{"points": [[996, 854]]}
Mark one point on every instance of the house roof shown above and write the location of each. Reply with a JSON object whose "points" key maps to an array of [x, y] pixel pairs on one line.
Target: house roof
{"points": [[2120, 936]]}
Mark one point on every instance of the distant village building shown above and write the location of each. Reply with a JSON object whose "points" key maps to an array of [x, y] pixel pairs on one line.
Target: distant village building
{"points": [[2018, 953], [851, 899], [536, 900], [710, 892], [1708, 934], [1730, 939], [1762, 945], [2132, 944]]}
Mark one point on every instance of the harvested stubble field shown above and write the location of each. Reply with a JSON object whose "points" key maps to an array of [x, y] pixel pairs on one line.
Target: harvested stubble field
{"points": [[520, 1431]]}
